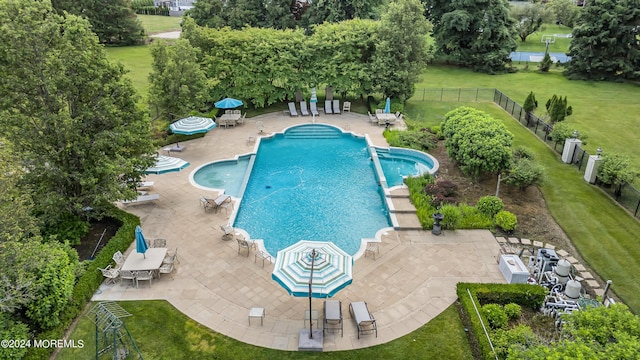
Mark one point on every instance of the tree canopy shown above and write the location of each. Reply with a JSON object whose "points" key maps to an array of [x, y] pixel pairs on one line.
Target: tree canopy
{"points": [[479, 143], [401, 50], [113, 21], [605, 42], [529, 18], [475, 34], [177, 84], [70, 114]]}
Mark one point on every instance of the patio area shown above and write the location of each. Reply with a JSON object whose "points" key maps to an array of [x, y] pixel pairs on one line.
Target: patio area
{"points": [[411, 281]]}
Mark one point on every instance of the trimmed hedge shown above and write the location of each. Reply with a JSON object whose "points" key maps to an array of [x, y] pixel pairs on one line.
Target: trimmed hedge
{"points": [[90, 281], [530, 296]]}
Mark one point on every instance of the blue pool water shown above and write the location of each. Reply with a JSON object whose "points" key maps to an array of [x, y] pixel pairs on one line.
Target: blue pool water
{"points": [[314, 183], [225, 175], [312, 189]]}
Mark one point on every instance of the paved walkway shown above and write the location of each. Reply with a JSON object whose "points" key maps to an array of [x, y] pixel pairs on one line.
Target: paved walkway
{"points": [[408, 284]]}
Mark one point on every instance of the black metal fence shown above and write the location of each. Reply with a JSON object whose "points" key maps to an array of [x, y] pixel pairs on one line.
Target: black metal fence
{"points": [[626, 195]]}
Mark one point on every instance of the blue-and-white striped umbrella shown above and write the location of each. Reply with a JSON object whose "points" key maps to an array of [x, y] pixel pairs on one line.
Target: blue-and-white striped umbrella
{"points": [[192, 125], [141, 243], [165, 164], [228, 103], [332, 269]]}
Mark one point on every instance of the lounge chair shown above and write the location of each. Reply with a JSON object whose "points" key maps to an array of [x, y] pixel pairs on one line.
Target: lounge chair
{"points": [[364, 319], [208, 203], [336, 106], [314, 109], [333, 316], [303, 108], [292, 109], [144, 185], [142, 199], [327, 107], [372, 118]]}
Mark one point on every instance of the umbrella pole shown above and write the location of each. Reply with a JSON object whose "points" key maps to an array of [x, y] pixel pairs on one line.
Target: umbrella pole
{"points": [[313, 258]]}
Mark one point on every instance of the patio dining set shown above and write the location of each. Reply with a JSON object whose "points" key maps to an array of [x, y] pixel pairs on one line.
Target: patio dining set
{"points": [[137, 267]]}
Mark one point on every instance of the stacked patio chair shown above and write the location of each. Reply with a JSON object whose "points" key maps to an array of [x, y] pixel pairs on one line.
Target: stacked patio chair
{"points": [[327, 107]]}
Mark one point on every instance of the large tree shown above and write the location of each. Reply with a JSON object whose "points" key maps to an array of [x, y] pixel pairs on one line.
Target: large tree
{"points": [[177, 84], [479, 143], [605, 42], [401, 50], [113, 21], [70, 114], [564, 11], [529, 18], [16, 220], [207, 13], [472, 33], [339, 10]]}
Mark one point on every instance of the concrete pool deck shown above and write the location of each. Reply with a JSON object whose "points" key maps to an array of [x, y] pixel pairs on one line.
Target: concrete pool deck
{"points": [[408, 284]]}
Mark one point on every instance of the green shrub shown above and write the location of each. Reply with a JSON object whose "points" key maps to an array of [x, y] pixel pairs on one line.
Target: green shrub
{"points": [[490, 205], [472, 218], [522, 152], [67, 228], [506, 220], [519, 338], [513, 311], [524, 173], [425, 216], [452, 217], [414, 139], [615, 169], [495, 315], [437, 131]]}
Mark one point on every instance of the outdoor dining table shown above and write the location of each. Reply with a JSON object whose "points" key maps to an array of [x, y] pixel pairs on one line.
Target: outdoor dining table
{"points": [[225, 119], [386, 117], [150, 260]]}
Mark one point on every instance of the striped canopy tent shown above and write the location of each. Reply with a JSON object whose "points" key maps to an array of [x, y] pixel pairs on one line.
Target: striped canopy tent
{"points": [[165, 164], [332, 269], [192, 125]]}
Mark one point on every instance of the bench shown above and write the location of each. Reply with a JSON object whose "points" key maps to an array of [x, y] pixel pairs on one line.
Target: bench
{"points": [[142, 199]]}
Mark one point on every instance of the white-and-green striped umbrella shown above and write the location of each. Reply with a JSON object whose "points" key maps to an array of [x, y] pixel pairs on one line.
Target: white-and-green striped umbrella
{"points": [[192, 125], [332, 269], [165, 164]]}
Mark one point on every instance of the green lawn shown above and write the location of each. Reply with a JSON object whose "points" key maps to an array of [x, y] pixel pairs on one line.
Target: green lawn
{"points": [[603, 233], [607, 112], [162, 332], [534, 41], [155, 23], [137, 60]]}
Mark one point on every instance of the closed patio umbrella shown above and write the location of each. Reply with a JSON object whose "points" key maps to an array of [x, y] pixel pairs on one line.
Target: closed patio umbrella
{"points": [[141, 243], [387, 106], [228, 103]]}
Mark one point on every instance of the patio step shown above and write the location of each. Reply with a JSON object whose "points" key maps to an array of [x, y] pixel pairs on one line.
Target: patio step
{"points": [[407, 221], [399, 193], [403, 205], [313, 132]]}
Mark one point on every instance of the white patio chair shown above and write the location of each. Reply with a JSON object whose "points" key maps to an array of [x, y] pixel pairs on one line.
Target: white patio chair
{"points": [[171, 257], [260, 127], [128, 275], [346, 106], [159, 243], [111, 275], [146, 275], [166, 269], [118, 258]]}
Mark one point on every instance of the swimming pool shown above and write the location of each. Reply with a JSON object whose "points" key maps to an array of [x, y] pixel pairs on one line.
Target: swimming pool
{"points": [[314, 182]]}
